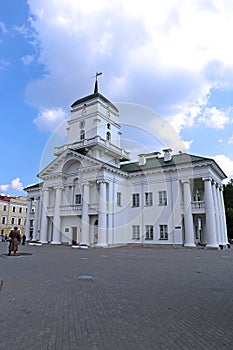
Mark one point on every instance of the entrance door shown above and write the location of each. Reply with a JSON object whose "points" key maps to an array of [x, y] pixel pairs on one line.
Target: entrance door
{"points": [[74, 235], [96, 232], [198, 231]]}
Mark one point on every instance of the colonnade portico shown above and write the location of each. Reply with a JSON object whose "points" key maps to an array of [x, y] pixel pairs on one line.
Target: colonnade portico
{"points": [[216, 231], [215, 214], [43, 208]]}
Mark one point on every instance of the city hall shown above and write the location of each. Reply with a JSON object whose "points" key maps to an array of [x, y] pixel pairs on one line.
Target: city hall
{"points": [[92, 194]]}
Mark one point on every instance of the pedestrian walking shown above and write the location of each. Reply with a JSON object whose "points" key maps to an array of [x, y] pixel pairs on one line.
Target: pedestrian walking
{"points": [[15, 237], [23, 239]]}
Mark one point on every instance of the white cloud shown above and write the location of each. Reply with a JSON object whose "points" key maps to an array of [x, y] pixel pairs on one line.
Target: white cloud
{"points": [[15, 185], [230, 141], [49, 119], [3, 28], [3, 63], [156, 54], [167, 56], [27, 59], [225, 163], [214, 118]]}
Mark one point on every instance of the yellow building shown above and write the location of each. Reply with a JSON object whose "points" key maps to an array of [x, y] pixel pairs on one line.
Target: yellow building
{"points": [[13, 211]]}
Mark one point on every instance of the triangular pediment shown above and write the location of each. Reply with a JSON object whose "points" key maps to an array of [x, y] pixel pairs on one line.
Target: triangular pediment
{"points": [[59, 165]]}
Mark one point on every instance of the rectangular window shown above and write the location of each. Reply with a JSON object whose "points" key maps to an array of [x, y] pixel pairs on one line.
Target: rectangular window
{"points": [[149, 232], [13, 209], [12, 221], [20, 209], [135, 200], [135, 232], [162, 197], [148, 199], [78, 199], [118, 199], [19, 221], [3, 220], [163, 231], [4, 208]]}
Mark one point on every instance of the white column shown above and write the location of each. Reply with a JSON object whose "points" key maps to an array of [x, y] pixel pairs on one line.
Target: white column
{"points": [[85, 234], [56, 217], [216, 213], [188, 217], [110, 210], [29, 208], [36, 228], [221, 225], [102, 220], [225, 236], [44, 217], [210, 217]]}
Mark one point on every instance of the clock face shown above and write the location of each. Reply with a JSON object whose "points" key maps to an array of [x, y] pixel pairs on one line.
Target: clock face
{"points": [[82, 124]]}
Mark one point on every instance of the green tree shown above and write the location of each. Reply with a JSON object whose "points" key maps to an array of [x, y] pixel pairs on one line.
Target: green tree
{"points": [[228, 201]]}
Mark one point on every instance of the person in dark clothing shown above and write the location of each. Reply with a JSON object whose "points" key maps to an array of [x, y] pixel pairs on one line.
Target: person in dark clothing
{"points": [[24, 239], [15, 238]]}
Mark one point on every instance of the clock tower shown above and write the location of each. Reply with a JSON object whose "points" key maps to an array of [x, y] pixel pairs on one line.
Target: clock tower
{"points": [[94, 129]]}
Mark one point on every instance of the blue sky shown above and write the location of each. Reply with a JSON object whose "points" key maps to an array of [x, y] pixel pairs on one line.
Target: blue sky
{"points": [[170, 60]]}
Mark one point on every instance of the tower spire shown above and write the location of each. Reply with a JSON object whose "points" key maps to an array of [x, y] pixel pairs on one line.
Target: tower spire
{"points": [[96, 82]]}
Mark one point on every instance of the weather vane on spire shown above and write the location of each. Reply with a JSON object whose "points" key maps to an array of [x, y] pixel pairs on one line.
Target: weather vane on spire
{"points": [[96, 81]]}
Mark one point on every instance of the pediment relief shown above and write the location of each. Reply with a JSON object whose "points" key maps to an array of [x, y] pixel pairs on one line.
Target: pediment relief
{"points": [[69, 162]]}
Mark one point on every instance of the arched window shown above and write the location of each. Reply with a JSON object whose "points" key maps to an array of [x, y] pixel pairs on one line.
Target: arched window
{"points": [[108, 136], [82, 134], [108, 126]]}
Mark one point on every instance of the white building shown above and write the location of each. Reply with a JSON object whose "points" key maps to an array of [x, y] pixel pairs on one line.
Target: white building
{"points": [[92, 194]]}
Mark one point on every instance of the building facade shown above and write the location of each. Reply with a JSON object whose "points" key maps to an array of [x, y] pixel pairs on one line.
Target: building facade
{"points": [[92, 194], [13, 212]]}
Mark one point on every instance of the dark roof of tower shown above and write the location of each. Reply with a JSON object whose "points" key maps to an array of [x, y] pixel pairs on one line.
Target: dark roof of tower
{"points": [[91, 97]]}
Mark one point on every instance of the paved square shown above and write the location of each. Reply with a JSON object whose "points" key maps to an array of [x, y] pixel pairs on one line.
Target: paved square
{"points": [[121, 298]]}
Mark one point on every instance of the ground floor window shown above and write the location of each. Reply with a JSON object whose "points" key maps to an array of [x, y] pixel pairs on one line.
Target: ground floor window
{"points": [[163, 231], [135, 231], [149, 232]]}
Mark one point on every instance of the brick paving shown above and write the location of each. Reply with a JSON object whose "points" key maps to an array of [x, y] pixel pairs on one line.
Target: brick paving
{"points": [[116, 299]]}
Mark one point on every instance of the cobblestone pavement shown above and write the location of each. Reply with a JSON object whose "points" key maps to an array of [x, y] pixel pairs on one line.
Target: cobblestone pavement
{"points": [[116, 299]]}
